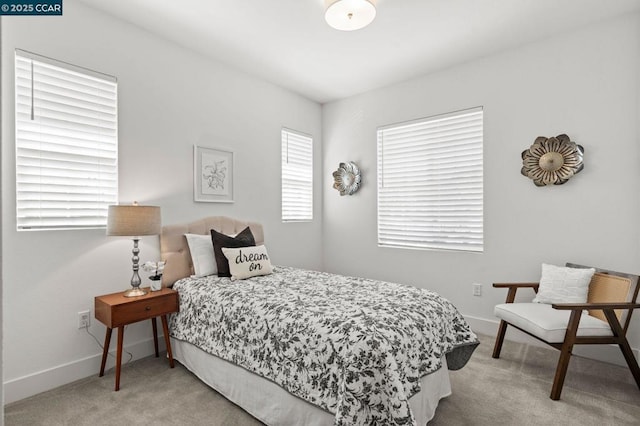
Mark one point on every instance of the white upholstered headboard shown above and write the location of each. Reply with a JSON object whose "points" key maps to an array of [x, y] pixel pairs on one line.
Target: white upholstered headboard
{"points": [[175, 251]]}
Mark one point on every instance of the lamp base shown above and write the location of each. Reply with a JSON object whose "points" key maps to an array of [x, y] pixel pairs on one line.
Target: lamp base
{"points": [[135, 292]]}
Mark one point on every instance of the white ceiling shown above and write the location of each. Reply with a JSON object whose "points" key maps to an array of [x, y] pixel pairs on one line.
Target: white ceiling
{"points": [[288, 43]]}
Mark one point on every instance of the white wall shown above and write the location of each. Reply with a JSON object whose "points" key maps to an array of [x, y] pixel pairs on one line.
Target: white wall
{"points": [[1, 315], [585, 84], [169, 100]]}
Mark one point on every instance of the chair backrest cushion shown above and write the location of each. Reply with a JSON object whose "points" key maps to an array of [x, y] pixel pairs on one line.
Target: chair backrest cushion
{"points": [[611, 286], [606, 288]]}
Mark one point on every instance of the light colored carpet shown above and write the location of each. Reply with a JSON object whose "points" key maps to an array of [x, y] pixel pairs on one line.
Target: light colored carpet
{"points": [[513, 390]]}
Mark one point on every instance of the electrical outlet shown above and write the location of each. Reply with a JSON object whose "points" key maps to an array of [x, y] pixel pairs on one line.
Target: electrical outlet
{"points": [[477, 289], [84, 319]]}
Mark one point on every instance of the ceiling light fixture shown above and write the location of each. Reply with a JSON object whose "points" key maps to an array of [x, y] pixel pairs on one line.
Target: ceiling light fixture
{"points": [[349, 15]]}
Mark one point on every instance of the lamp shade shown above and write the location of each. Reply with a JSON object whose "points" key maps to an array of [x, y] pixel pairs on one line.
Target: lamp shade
{"points": [[349, 15], [133, 221]]}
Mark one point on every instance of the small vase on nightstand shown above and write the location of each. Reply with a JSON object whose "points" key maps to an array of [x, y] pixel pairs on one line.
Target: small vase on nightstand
{"points": [[156, 284], [156, 268]]}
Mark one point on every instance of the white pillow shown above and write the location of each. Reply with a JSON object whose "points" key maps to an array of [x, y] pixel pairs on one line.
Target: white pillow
{"points": [[245, 262], [560, 284], [202, 257]]}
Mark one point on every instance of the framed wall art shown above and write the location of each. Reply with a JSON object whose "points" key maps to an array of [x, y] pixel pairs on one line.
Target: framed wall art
{"points": [[212, 175]]}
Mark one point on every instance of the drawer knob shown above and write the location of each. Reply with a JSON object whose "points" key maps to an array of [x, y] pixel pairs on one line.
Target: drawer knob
{"points": [[147, 308]]}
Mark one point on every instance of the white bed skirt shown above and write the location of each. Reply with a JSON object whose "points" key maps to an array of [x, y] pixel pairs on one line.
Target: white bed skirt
{"points": [[271, 404]]}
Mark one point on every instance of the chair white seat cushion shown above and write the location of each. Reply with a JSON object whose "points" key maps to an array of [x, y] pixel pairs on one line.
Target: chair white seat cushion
{"points": [[548, 324]]}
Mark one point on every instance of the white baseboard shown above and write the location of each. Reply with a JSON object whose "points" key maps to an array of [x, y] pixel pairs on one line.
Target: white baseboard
{"points": [[41, 381], [605, 353]]}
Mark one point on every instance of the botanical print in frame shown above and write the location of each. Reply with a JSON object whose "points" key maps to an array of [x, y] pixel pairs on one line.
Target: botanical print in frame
{"points": [[212, 175]]}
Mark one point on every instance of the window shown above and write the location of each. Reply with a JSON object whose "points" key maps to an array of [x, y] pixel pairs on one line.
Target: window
{"points": [[297, 176], [430, 183], [66, 144]]}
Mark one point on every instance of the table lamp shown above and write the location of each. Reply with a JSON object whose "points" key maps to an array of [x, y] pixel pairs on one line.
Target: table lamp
{"points": [[133, 221]]}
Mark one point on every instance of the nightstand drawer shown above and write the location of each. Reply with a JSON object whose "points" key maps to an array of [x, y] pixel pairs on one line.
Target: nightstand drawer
{"points": [[115, 310], [143, 309]]}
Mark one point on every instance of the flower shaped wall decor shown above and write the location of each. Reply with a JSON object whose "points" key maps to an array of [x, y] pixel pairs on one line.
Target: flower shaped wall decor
{"points": [[347, 178], [552, 161]]}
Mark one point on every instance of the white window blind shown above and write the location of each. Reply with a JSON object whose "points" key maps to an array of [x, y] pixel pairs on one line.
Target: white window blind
{"points": [[297, 176], [66, 144], [430, 183]]}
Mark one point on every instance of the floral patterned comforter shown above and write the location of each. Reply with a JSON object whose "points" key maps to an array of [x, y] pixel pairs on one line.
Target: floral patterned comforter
{"points": [[353, 346]]}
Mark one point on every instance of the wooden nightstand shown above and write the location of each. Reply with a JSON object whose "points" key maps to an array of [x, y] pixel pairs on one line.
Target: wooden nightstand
{"points": [[115, 310]]}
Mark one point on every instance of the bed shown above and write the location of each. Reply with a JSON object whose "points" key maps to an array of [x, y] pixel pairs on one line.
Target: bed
{"points": [[299, 347]]}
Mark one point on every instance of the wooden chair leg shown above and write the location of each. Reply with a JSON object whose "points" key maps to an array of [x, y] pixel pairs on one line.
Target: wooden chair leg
{"points": [[565, 354], [502, 329], [623, 343], [631, 360]]}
